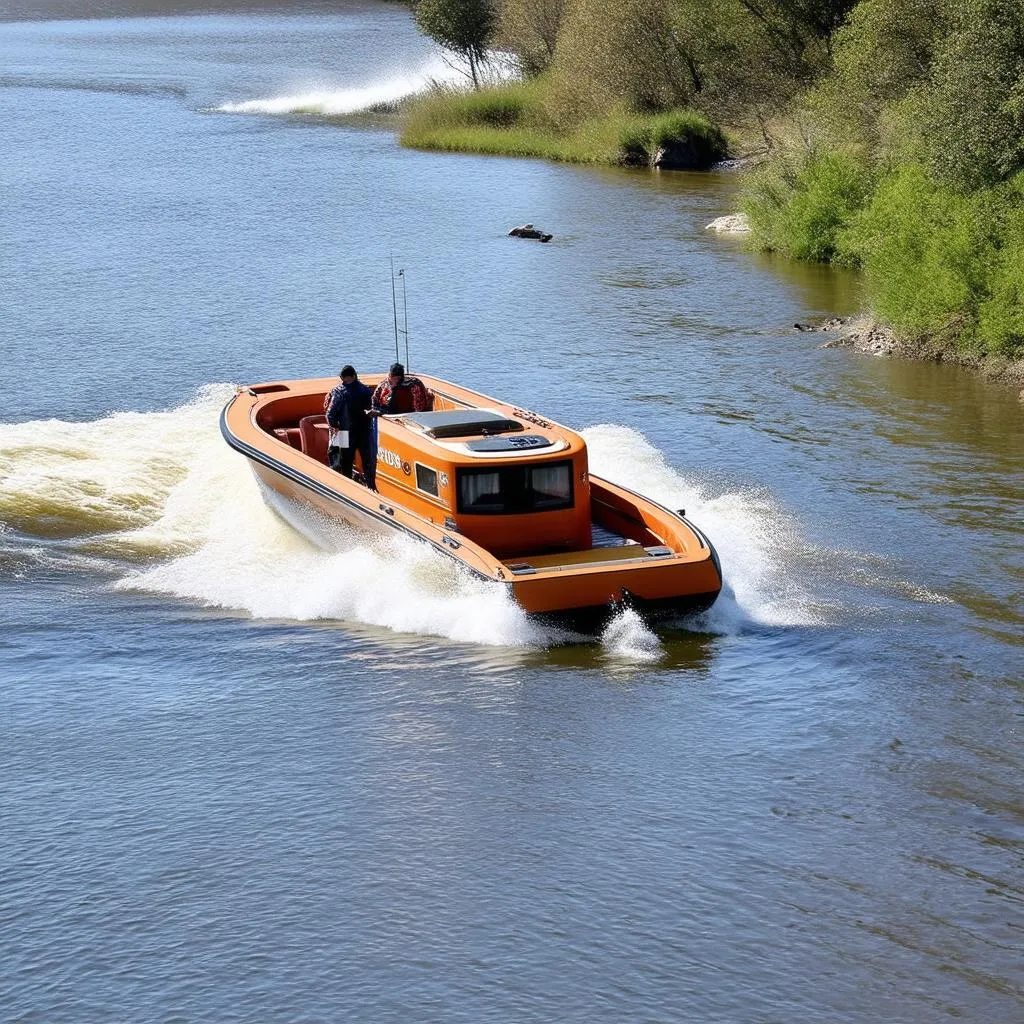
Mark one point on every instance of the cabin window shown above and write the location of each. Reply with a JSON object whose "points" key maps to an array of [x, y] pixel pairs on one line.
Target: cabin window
{"points": [[510, 490], [426, 479]]}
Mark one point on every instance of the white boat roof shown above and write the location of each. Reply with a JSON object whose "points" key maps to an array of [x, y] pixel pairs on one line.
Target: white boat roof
{"points": [[461, 423]]}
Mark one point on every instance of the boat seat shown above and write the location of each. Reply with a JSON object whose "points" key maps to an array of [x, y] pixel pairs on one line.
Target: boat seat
{"points": [[290, 435], [315, 437]]}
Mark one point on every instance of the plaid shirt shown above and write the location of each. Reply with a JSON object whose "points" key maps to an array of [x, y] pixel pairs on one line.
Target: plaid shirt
{"points": [[408, 396]]}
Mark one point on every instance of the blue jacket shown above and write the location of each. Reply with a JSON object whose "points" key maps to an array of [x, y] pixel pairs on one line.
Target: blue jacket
{"points": [[346, 405]]}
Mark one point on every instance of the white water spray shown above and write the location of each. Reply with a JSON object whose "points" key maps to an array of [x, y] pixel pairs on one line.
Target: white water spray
{"points": [[753, 536], [162, 501], [327, 101], [629, 638]]}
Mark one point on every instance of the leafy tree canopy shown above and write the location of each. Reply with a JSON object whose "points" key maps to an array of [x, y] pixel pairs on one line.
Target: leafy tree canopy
{"points": [[463, 26]]}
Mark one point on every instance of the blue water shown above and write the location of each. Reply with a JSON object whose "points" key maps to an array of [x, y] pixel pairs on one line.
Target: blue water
{"points": [[249, 777]]}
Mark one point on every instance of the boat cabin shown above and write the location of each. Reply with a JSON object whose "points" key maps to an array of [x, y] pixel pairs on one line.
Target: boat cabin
{"points": [[503, 477]]}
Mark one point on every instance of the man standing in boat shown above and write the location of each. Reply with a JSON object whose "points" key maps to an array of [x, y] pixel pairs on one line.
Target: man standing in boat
{"points": [[398, 393], [347, 409]]}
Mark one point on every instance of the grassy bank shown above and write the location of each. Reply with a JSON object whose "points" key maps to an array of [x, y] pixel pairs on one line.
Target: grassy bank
{"points": [[941, 266], [513, 120]]}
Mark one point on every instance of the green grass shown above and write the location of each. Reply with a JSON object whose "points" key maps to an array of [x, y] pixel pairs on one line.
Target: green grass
{"points": [[512, 120]]}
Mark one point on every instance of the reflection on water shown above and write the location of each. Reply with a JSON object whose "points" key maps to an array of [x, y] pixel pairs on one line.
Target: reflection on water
{"points": [[823, 291]]}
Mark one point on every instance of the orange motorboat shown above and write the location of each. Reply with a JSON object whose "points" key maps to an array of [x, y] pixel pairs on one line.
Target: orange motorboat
{"points": [[505, 492]]}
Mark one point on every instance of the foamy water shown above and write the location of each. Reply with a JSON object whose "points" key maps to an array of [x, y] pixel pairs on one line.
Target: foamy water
{"points": [[175, 511], [755, 538], [329, 101]]}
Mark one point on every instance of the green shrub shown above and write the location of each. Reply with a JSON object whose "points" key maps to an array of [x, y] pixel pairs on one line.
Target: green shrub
{"points": [[1001, 314], [927, 253], [804, 211], [641, 137]]}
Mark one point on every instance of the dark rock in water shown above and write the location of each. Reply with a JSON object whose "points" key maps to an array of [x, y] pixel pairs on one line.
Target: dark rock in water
{"points": [[529, 231], [682, 155], [802, 327], [686, 154]]}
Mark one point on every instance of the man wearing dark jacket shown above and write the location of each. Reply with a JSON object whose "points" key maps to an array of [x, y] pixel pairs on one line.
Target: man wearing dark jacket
{"points": [[347, 407]]}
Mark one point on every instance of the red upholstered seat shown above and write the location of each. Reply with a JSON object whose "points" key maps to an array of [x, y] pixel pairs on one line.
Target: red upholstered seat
{"points": [[315, 436], [290, 435]]}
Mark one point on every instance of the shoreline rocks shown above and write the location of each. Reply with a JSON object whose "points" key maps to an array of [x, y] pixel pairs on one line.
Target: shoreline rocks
{"points": [[861, 333], [865, 334]]}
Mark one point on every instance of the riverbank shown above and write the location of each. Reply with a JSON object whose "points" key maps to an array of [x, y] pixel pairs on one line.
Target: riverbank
{"points": [[513, 119], [510, 120], [913, 177], [866, 334]]}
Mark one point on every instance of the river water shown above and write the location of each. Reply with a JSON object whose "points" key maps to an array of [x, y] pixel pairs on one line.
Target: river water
{"points": [[249, 779]]}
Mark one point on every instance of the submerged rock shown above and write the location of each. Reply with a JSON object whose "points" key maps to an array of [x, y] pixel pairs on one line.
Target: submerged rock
{"points": [[731, 224], [681, 155], [529, 231]]}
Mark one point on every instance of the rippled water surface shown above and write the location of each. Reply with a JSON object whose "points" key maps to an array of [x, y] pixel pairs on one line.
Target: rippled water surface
{"points": [[251, 777]]}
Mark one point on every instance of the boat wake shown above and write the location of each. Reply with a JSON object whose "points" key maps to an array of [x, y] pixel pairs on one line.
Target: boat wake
{"points": [[756, 540], [332, 101], [157, 502]]}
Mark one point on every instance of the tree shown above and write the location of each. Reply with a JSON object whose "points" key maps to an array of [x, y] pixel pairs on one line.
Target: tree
{"points": [[463, 26], [530, 29], [799, 27], [619, 54], [882, 59], [974, 117]]}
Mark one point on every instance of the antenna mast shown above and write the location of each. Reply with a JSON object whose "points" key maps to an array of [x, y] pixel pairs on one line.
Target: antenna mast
{"points": [[405, 317], [394, 306]]}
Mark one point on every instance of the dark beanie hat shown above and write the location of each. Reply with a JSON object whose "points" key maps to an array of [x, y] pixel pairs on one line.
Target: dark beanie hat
{"points": [[348, 370], [397, 369]]}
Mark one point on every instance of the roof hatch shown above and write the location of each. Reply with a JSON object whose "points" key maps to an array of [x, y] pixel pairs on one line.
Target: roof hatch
{"points": [[461, 423], [520, 443]]}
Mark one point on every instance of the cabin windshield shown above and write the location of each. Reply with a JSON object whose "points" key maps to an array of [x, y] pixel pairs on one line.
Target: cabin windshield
{"points": [[514, 489]]}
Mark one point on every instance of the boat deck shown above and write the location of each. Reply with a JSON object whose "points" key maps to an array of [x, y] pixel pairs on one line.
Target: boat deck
{"points": [[628, 552]]}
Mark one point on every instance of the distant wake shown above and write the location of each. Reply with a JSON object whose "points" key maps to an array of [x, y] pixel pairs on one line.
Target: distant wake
{"points": [[327, 101], [158, 502]]}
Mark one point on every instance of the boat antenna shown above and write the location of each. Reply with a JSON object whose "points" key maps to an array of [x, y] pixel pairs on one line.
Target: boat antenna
{"points": [[405, 317], [394, 306]]}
